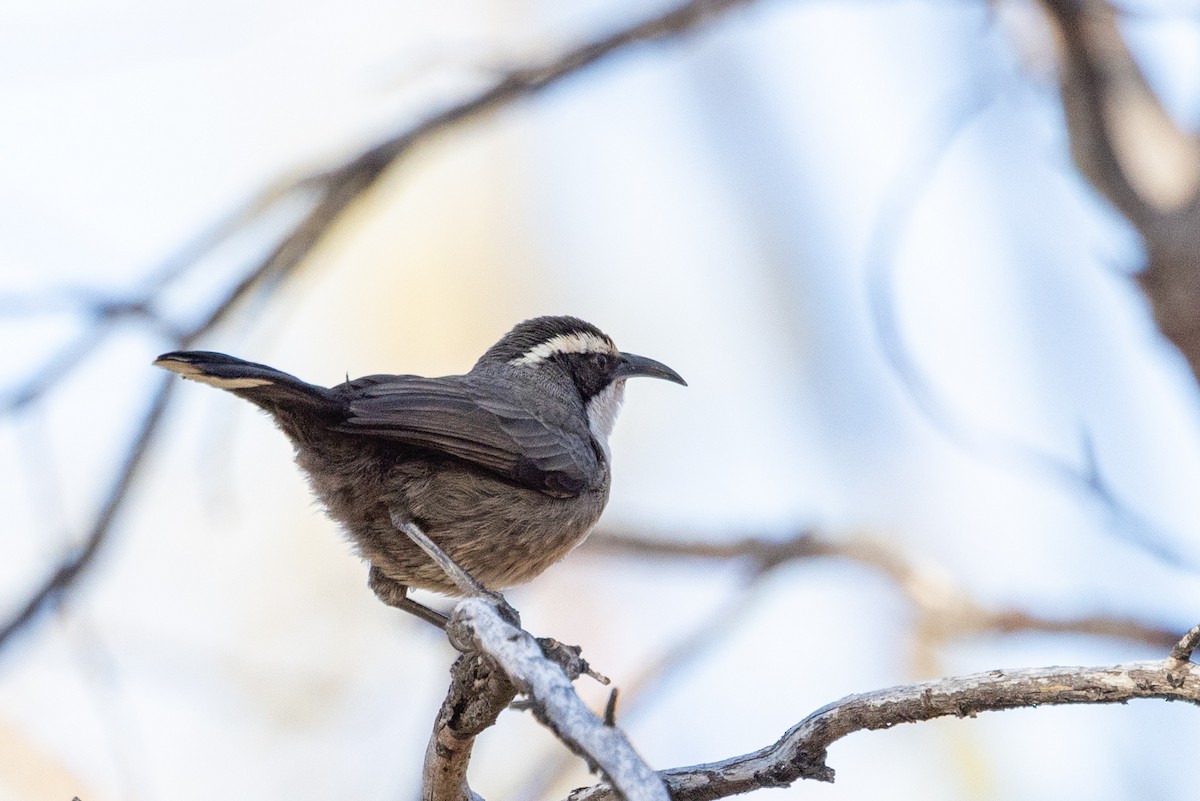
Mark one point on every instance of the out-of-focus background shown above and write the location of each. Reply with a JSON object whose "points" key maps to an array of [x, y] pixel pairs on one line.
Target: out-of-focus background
{"points": [[907, 322]]}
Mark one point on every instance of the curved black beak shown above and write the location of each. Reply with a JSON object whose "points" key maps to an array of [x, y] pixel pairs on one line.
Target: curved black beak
{"points": [[632, 365]]}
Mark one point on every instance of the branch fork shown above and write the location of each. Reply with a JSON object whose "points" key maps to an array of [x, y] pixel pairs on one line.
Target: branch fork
{"points": [[503, 660]]}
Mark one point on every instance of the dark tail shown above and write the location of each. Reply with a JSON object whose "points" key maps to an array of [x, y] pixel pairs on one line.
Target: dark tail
{"points": [[275, 391]]}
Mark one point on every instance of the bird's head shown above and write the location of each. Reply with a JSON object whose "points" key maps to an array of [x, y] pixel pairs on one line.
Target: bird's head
{"points": [[558, 347]]}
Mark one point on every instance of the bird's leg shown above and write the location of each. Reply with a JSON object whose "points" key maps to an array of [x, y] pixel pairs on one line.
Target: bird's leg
{"points": [[395, 594], [464, 581]]}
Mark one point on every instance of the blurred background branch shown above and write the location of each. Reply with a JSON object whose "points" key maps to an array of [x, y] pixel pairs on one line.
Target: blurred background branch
{"points": [[943, 611], [1126, 144]]}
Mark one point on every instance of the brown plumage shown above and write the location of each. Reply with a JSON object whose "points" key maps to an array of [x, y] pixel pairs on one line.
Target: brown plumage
{"points": [[506, 468]]}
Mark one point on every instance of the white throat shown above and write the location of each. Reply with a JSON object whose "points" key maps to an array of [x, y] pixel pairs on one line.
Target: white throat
{"points": [[602, 413]]}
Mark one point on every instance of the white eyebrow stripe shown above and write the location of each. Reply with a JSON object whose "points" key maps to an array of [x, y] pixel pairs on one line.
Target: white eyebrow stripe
{"points": [[578, 342]]}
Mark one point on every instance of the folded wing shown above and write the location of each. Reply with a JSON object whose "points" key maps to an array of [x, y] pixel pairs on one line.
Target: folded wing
{"points": [[466, 421]]}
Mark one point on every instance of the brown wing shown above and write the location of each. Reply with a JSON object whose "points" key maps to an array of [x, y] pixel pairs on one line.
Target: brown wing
{"points": [[463, 419]]}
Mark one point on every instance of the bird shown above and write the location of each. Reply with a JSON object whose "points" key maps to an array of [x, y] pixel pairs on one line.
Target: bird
{"points": [[505, 469]]}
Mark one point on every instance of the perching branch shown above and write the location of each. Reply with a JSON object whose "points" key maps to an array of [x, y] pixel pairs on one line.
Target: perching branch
{"points": [[637, 690], [801, 752], [477, 628]]}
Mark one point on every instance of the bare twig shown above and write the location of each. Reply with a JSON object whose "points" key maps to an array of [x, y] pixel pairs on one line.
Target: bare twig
{"points": [[1183, 650], [801, 752], [476, 626]]}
